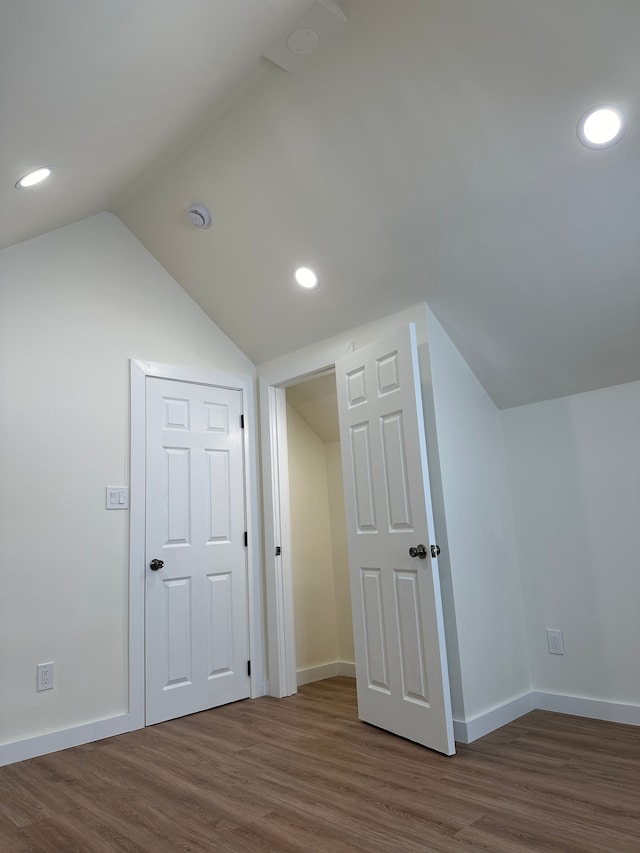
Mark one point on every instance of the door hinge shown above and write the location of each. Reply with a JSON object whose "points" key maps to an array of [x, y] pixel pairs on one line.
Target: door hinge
{"points": [[248, 667], [241, 421], [246, 539], [278, 550]]}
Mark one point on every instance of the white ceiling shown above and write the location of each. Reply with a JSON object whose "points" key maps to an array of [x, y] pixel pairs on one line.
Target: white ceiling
{"points": [[316, 401], [428, 153], [107, 89]]}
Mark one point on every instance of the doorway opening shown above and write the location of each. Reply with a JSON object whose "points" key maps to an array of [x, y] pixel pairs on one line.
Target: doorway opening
{"points": [[398, 628], [319, 561]]}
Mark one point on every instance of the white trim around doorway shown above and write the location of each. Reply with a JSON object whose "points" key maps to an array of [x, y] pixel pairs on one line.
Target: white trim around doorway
{"points": [[277, 542], [284, 679], [137, 568]]}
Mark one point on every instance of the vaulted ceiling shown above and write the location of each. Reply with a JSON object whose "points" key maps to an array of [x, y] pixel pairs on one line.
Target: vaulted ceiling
{"points": [[427, 152], [107, 91]]}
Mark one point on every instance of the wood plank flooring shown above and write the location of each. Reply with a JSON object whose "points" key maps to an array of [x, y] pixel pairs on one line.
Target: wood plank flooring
{"points": [[303, 774]]}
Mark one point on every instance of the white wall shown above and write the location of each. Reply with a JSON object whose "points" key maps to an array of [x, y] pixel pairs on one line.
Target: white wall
{"points": [[490, 639], [315, 358], [75, 305], [574, 468], [314, 594]]}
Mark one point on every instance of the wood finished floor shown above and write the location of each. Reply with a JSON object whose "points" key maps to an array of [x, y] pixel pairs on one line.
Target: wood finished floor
{"points": [[302, 774]]}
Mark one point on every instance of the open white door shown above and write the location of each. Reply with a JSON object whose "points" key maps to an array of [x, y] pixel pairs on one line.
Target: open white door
{"points": [[401, 667], [196, 628]]}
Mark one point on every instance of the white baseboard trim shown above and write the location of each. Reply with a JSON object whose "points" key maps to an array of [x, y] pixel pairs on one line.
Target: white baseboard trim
{"points": [[317, 673], [464, 731], [326, 670], [595, 709], [32, 747], [482, 724], [613, 712]]}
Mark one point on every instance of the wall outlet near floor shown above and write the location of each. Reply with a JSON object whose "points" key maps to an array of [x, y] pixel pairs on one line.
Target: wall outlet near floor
{"points": [[45, 676], [554, 641]]}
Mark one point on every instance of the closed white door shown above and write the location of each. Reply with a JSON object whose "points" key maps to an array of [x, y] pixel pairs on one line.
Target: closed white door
{"points": [[401, 667], [196, 623]]}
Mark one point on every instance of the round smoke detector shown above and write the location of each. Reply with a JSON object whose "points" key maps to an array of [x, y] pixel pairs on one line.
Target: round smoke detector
{"points": [[199, 216], [303, 41]]}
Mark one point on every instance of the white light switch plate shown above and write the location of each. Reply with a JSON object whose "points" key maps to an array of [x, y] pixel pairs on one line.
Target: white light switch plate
{"points": [[117, 497]]}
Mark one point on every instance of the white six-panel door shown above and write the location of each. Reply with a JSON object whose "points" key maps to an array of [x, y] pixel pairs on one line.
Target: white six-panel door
{"points": [[401, 668], [196, 625]]}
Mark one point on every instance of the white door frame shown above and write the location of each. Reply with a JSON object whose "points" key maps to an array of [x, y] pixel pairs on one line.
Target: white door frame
{"points": [[139, 370], [283, 677], [277, 534], [274, 378]]}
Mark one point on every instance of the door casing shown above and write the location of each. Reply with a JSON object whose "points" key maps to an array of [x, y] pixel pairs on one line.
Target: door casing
{"points": [[139, 370], [277, 536]]}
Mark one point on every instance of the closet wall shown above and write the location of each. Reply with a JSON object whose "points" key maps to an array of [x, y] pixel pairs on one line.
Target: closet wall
{"points": [[322, 603]]}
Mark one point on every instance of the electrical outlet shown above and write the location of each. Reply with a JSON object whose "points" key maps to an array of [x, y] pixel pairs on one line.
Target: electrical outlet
{"points": [[554, 641], [45, 676]]}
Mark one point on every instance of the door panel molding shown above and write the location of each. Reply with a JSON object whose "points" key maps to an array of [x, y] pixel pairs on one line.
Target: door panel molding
{"points": [[402, 612], [139, 371]]}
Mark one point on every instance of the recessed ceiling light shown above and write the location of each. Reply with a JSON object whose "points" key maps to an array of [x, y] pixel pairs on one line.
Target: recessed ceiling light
{"points": [[306, 278], [33, 178], [601, 127]]}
